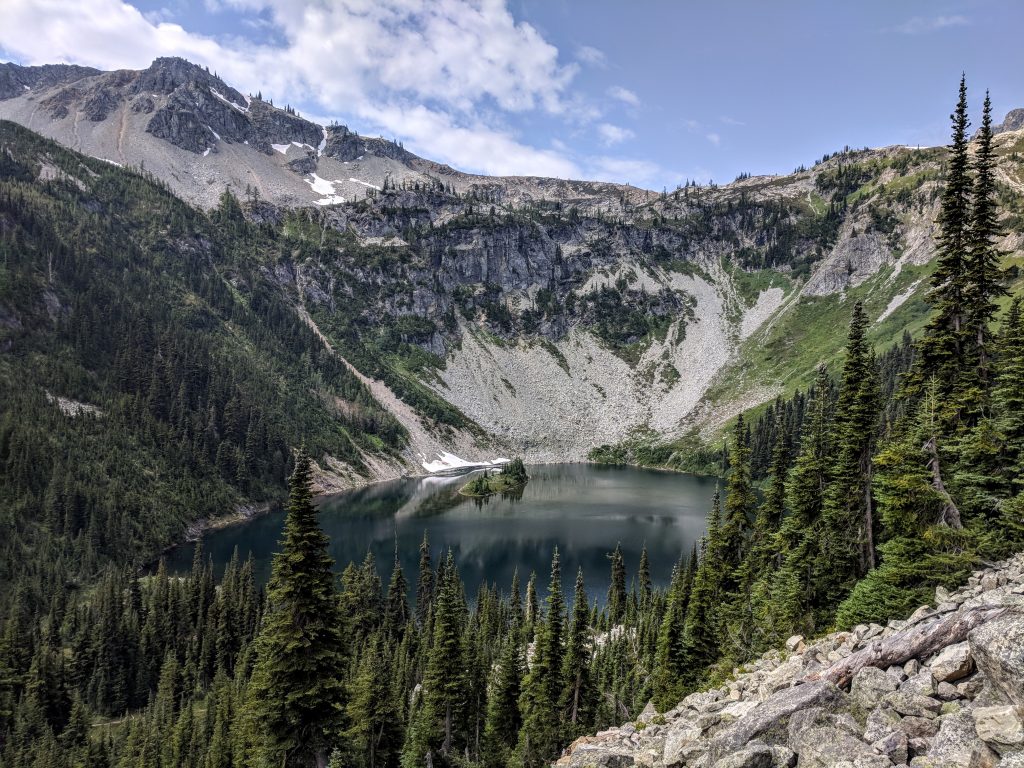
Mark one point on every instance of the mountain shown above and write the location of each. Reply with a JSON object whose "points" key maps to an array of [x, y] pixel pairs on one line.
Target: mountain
{"points": [[539, 316]]}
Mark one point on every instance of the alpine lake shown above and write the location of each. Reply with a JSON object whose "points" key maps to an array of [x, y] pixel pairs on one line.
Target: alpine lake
{"points": [[582, 509]]}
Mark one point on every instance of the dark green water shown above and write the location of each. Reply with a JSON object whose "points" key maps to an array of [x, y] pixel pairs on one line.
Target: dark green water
{"points": [[582, 509]]}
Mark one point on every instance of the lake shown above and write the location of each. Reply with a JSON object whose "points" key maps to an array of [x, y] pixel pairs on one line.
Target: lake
{"points": [[583, 509]]}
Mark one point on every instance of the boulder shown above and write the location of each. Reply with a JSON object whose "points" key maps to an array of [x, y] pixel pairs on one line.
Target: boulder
{"points": [[998, 649], [771, 713], [952, 663], [881, 722], [918, 727], [751, 756], [922, 684], [894, 746], [681, 743], [907, 703], [869, 686], [1000, 727], [957, 744], [826, 746]]}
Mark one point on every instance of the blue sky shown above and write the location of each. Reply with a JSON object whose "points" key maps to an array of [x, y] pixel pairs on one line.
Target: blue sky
{"points": [[650, 93]]}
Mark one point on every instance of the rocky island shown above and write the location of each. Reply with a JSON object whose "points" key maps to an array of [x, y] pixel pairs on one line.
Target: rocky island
{"points": [[512, 477]]}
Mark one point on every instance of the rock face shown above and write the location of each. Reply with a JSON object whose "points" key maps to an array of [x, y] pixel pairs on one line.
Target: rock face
{"points": [[959, 707], [1013, 121]]}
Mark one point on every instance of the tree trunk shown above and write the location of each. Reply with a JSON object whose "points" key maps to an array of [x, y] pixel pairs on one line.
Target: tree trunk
{"points": [[950, 515], [918, 641]]}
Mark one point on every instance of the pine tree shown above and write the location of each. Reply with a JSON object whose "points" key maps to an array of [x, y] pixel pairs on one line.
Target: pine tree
{"points": [[617, 587], [740, 502], [941, 348], [984, 275], [540, 735], [296, 696], [435, 730], [669, 660], [501, 731], [374, 725], [702, 636], [1008, 394], [424, 584], [848, 548], [577, 691], [644, 577]]}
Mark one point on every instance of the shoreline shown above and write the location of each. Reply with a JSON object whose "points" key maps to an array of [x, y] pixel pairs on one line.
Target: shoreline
{"points": [[249, 511]]}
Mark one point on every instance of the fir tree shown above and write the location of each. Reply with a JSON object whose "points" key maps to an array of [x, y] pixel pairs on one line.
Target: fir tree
{"points": [[848, 548], [942, 345], [540, 734], [501, 731], [296, 697], [984, 275], [617, 587], [577, 693]]}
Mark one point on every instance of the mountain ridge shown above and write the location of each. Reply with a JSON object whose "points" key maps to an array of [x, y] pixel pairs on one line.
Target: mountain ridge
{"points": [[558, 316]]}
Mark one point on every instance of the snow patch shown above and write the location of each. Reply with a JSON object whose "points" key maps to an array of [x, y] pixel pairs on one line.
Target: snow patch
{"points": [[228, 101], [282, 148], [365, 184], [323, 143], [213, 132], [206, 152], [332, 200], [898, 301], [321, 186], [105, 160], [448, 461]]}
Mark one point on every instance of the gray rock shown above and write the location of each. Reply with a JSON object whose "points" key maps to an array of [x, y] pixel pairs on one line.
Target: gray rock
{"points": [[1000, 727], [952, 663], [826, 746], [680, 743], [869, 686], [751, 756], [881, 721], [922, 684], [998, 650], [957, 744], [970, 688], [894, 746], [947, 692], [783, 757], [918, 727], [774, 712], [1013, 121], [907, 703]]}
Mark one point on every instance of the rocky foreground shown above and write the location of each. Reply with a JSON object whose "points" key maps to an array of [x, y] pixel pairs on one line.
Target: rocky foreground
{"points": [[944, 687]]}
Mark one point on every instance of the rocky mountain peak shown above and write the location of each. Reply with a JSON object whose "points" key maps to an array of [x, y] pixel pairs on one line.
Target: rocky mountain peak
{"points": [[1014, 121]]}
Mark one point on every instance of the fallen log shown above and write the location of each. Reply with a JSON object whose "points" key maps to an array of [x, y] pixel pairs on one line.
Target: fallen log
{"points": [[917, 642]]}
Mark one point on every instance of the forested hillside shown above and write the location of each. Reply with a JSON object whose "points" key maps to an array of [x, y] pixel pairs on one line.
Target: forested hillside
{"points": [[154, 370], [894, 473]]}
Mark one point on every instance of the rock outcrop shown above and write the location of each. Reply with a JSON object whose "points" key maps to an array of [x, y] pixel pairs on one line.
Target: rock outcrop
{"points": [[947, 691]]}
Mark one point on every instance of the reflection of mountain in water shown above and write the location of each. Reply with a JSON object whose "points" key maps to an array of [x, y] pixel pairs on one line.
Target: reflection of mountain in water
{"points": [[584, 510]]}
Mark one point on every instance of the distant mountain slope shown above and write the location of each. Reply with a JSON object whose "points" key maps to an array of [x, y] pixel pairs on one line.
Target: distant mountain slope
{"points": [[556, 315]]}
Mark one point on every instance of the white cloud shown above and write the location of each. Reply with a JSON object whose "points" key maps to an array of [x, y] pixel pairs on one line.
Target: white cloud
{"points": [[714, 138], [920, 25], [639, 173], [624, 95], [588, 54], [613, 134], [730, 120], [392, 61]]}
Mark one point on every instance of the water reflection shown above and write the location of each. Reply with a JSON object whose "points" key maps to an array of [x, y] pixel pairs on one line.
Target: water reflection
{"points": [[582, 509]]}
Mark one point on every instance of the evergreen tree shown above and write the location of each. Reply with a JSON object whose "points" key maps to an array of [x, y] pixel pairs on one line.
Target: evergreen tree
{"points": [[848, 548], [702, 635], [617, 587], [501, 731], [984, 275], [424, 584], [941, 348], [296, 696], [740, 501], [540, 734], [577, 689]]}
